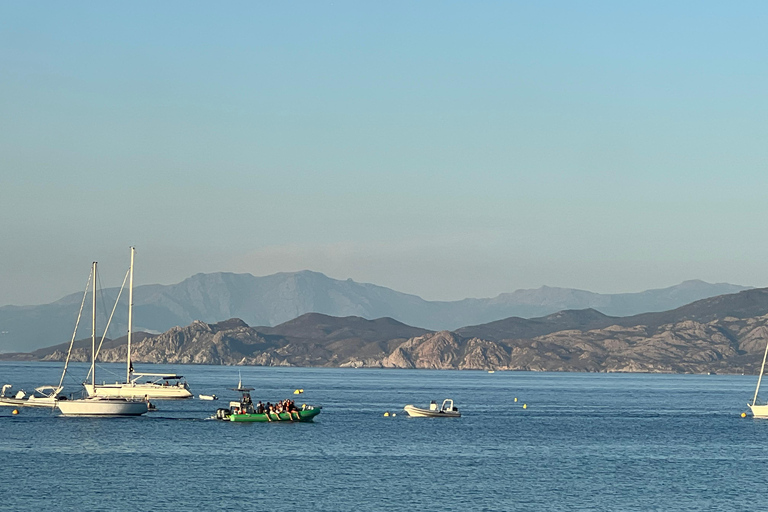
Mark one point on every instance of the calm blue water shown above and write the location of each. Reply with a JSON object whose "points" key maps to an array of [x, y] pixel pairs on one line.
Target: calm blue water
{"points": [[585, 442]]}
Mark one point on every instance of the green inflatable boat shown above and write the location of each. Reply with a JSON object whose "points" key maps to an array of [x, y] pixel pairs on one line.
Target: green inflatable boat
{"points": [[244, 410], [306, 414]]}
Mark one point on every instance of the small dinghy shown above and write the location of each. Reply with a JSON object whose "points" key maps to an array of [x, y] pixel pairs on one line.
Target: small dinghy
{"points": [[447, 410], [207, 397], [46, 397]]}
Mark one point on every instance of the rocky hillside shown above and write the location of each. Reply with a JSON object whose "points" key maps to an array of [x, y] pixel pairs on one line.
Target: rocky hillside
{"points": [[724, 335], [272, 300]]}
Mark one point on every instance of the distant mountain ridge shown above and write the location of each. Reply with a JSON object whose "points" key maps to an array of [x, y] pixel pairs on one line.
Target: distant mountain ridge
{"points": [[724, 334], [274, 299]]}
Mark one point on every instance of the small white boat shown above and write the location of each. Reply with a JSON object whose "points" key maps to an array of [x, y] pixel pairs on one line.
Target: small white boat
{"points": [[207, 397], [447, 410], [44, 396]]}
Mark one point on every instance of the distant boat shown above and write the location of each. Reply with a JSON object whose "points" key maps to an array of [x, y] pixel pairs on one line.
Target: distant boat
{"points": [[759, 410], [207, 397], [160, 385], [447, 410], [96, 406], [491, 371]]}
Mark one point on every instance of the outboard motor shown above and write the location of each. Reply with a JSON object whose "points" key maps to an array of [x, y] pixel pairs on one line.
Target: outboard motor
{"points": [[222, 414]]}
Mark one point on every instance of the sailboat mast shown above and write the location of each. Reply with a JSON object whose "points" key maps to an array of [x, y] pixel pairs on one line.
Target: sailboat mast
{"points": [[762, 368], [93, 329], [130, 318]]}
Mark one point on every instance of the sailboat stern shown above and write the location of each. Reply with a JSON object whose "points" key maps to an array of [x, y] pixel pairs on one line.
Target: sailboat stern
{"points": [[758, 410]]}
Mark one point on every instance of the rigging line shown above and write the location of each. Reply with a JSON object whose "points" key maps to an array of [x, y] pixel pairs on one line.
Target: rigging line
{"points": [[77, 323], [102, 294], [109, 371], [109, 321]]}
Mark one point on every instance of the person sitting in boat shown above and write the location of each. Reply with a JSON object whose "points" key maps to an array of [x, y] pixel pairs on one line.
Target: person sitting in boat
{"points": [[260, 408], [293, 409], [289, 407]]}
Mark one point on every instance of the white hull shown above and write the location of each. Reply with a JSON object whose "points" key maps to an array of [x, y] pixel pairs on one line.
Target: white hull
{"points": [[27, 402], [417, 412], [148, 390], [21, 399], [102, 407], [759, 411]]}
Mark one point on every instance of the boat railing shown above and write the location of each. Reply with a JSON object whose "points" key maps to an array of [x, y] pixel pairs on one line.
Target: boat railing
{"points": [[176, 380]]}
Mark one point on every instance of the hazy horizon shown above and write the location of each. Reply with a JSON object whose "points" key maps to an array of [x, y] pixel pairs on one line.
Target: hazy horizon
{"points": [[447, 150], [116, 285]]}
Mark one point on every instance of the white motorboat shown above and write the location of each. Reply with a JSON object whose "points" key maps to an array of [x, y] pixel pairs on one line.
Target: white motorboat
{"points": [[43, 396], [759, 410], [159, 385], [447, 410], [207, 397], [95, 406]]}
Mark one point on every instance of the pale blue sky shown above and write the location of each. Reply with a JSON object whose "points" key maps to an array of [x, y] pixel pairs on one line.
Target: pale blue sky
{"points": [[446, 149]]}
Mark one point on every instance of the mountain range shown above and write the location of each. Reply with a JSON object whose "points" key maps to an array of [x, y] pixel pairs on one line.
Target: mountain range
{"points": [[275, 299], [725, 334]]}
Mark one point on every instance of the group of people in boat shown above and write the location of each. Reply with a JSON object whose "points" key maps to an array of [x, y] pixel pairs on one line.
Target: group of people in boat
{"points": [[287, 406]]}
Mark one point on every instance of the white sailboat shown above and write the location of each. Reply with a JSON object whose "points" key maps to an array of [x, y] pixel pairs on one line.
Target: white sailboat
{"points": [[759, 410], [158, 385], [96, 406]]}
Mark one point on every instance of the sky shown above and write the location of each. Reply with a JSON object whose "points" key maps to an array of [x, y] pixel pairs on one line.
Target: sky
{"points": [[445, 149]]}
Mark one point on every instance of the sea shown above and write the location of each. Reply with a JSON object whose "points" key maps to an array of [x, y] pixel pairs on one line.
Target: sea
{"points": [[525, 441]]}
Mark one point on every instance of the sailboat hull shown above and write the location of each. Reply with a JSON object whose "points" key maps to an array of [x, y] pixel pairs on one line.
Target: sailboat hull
{"points": [[759, 411], [148, 390], [102, 407]]}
